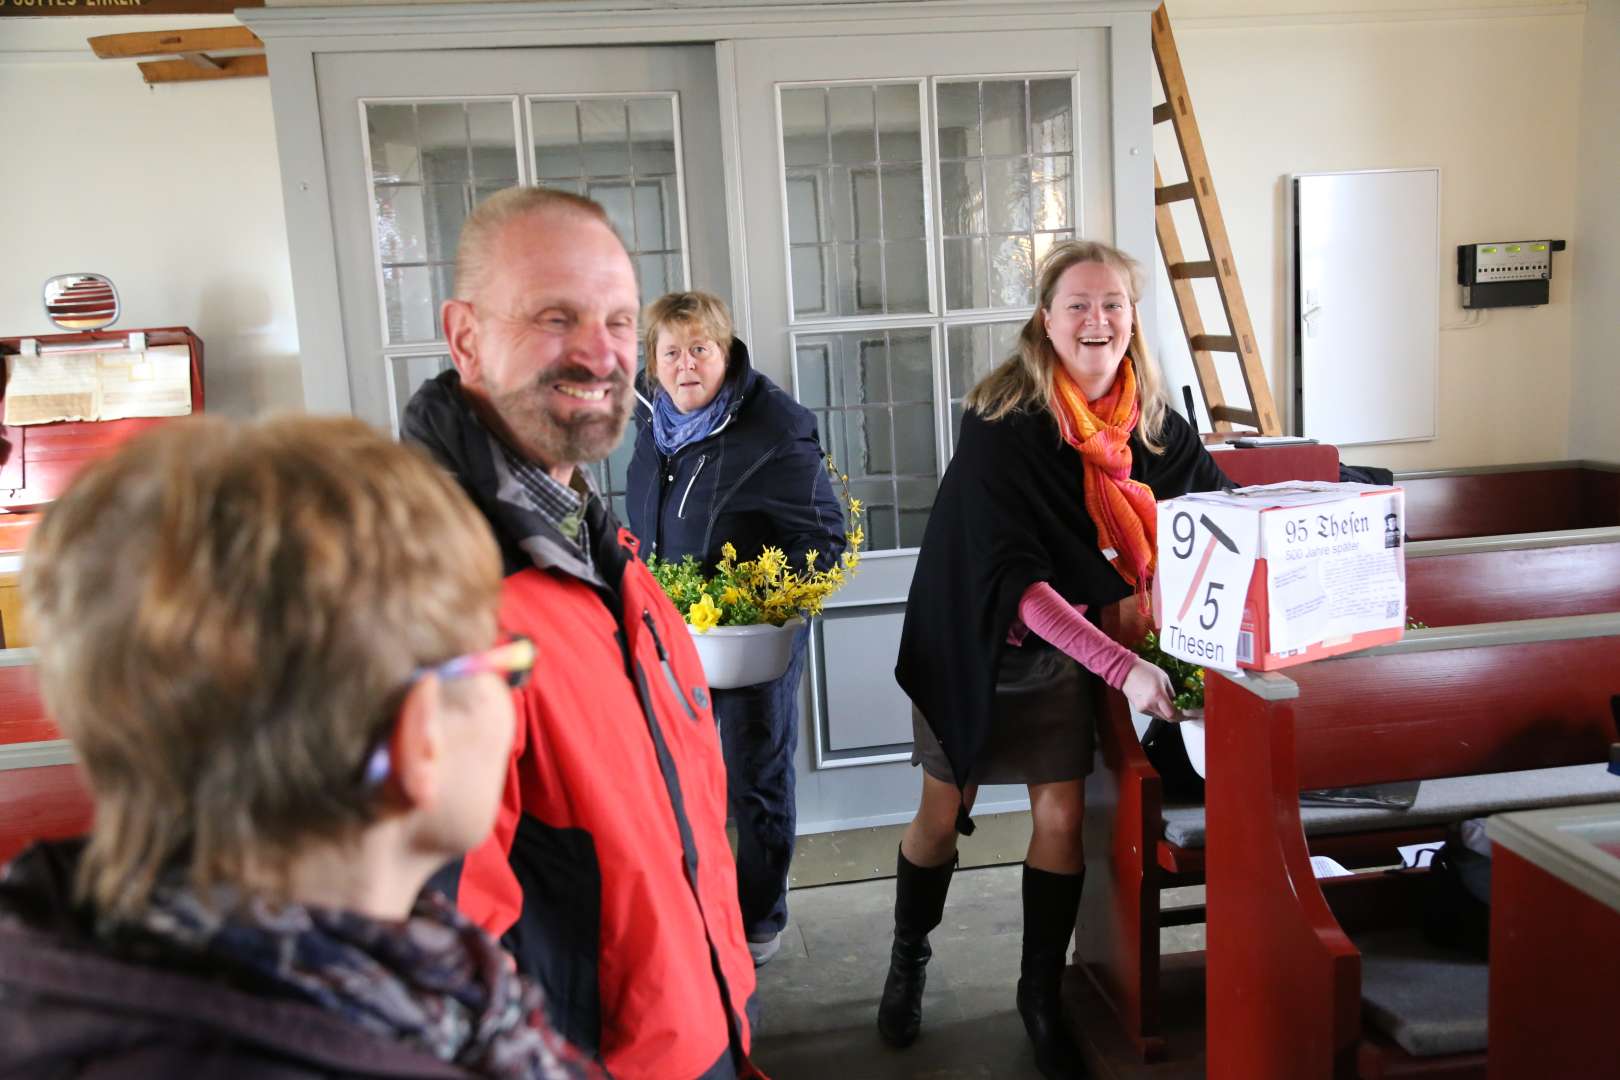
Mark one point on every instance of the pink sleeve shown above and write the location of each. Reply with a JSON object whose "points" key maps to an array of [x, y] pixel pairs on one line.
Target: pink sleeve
{"points": [[1052, 618]]}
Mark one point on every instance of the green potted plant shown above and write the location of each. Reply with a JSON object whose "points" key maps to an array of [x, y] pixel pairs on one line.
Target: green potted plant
{"points": [[744, 615]]}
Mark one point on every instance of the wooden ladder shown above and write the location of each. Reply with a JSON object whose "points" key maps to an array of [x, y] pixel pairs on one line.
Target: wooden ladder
{"points": [[1200, 189]]}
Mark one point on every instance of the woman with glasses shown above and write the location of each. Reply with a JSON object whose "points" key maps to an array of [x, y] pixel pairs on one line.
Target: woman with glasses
{"points": [[725, 456], [274, 650]]}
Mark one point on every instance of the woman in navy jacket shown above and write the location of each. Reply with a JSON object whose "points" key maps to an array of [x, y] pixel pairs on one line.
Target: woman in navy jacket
{"points": [[724, 455]]}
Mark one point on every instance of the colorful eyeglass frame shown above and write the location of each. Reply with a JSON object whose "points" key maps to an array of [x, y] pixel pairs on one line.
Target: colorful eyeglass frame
{"points": [[513, 660]]}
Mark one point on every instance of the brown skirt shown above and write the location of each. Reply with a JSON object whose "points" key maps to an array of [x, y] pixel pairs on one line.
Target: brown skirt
{"points": [[1043, 729]]}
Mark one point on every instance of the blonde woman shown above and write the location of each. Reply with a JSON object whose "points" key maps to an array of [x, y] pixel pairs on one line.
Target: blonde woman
{"points": [[1045, 515]]}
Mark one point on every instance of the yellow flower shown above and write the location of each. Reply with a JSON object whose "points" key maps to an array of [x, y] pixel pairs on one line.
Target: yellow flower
{"points": [[810, 559], [770, 563], [854, 505], [731, 595], [728, 551], [703, 615]]}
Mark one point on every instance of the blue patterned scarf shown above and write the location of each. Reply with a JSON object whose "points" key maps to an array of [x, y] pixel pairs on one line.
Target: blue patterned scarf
{"points": [[434, 981], [673, 429]]}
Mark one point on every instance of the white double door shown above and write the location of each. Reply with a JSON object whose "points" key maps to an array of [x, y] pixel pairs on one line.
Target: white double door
{"points": [[872, 206], [898, 192]]}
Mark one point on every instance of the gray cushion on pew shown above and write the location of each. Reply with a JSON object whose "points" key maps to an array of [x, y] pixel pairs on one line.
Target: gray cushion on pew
{"points": [[1429, 1000], [1438, 801]]}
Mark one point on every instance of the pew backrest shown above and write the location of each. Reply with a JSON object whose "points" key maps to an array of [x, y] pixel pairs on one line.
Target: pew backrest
{"points": [[1458, 701], [22, 714], [1502, 578], [1445, 702], [1496, 500], [42, 794]]}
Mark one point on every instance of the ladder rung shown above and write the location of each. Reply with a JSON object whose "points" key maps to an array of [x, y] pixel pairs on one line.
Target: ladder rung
{"points": [[1161, 113], [1193, 270], [1235, 415], [1173, 193], [1214, 343]]}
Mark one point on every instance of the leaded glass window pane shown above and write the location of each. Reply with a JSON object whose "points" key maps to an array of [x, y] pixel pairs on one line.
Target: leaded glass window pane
{"points": [[619, 151], [430, 164], [855, 199], [1006, 182], [872, 392]]}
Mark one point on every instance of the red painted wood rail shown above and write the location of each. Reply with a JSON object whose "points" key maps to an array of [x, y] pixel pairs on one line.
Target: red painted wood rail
{"points": [[1283, 978], [1117, 931], [45, 803], [1129, 861], [1454, 583], [36, 802], [1560, 495]]}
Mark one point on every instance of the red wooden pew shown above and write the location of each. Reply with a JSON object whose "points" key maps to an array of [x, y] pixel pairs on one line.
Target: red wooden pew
{"points": [[41, 794], [1444, 504], [1285, 978], [1500, 578], [1127, 862], [1129, 859]]}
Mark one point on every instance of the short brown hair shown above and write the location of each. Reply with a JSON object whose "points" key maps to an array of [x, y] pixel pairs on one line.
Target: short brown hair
{"points": [[1024, 380], [699, 314], [489, 217], [226, 615]]}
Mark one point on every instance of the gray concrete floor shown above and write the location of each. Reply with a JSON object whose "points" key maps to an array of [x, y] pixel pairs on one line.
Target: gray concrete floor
{"points": [[819, 995]]}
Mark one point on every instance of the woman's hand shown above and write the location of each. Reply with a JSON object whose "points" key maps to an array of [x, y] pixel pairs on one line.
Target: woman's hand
{"points": [[1148, 690]]}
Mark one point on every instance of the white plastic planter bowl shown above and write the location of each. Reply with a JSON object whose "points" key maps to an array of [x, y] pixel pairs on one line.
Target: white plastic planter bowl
{"points": [[735, 656], [1192, 737]]}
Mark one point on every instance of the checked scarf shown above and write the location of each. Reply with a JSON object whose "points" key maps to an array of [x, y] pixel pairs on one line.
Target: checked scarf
{"points": [[1123, 509]]}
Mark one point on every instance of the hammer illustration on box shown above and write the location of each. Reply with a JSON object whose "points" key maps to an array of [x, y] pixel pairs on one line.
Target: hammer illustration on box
{"points": [[1215, 536]]}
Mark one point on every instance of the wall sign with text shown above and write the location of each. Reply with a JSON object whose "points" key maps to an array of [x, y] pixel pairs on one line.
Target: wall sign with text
{"points": [[36, 8]]}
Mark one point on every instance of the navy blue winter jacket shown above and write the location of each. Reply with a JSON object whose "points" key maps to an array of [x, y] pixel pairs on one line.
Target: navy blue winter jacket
{"points": [[759, 479]]}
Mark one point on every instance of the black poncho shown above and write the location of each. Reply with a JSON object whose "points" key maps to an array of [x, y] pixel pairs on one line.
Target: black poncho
{"points": [[1011, 511]]}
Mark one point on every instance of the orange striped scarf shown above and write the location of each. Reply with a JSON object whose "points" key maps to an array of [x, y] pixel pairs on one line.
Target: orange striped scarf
{"points": [[1123, 509]]}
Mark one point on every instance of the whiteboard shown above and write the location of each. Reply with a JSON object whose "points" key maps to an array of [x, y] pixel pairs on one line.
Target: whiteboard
{"points": [[1364, 325]]}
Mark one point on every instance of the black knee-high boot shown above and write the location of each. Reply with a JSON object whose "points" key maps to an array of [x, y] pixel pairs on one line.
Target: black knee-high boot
{"points": [[1050, 904], [919, 904]]}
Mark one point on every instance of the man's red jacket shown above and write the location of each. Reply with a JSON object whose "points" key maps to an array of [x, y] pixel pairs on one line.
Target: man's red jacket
{"points": [[608, 874], [608, 870]]}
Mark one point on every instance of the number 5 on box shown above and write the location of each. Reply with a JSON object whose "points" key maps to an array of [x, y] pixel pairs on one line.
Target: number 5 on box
{"points": [[1215, 536]]}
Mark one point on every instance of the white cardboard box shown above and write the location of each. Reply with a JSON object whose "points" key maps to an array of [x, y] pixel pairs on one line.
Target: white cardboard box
{"points": [[1270, 576]]}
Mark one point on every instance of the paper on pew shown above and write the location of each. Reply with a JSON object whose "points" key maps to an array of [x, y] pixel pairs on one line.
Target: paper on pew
{"points": [[112, 385], [1286, 493], [1322, 866]]}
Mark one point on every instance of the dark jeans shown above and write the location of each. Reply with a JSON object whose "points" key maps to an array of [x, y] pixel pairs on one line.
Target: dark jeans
{"points": [[759, 731]]}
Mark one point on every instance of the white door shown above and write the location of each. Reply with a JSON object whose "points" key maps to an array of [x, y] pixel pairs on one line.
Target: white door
{"points": [[1367, 304], [897, 193], [415, 139]]}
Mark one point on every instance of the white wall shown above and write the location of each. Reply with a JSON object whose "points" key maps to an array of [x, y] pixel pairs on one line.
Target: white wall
{"points": [[1595, 246], [172, 191], [1489, 96], [175, 191]]}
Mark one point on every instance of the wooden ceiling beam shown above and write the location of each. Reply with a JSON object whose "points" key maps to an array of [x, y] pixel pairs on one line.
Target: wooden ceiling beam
{"points": [[230, 67], [174, 42]]}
